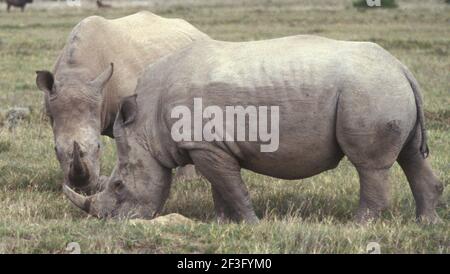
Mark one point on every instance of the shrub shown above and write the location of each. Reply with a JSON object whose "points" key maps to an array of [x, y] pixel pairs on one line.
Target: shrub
{"points": [[383, 4]]}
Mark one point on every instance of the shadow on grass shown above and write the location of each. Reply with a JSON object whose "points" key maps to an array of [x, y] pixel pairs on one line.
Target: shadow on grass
{"points": [[194, 200], [309, 205]]}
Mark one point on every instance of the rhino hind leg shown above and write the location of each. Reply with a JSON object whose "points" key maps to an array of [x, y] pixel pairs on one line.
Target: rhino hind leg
{"points": [[231, 196], [424, 184], [372, 127], [224, 213], [372, 151], [372, 143], [374, 193]]}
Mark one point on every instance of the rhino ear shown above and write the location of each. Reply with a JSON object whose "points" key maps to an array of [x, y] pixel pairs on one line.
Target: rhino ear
{"points": [[128, 109], [44, 81]]}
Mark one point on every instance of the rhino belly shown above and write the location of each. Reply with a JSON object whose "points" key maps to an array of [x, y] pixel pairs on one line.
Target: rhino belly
{"points": [[291, 168], [297, 159], [307, 142]]}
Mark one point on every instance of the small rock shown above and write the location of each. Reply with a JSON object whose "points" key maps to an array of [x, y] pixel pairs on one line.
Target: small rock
{"points": [[169, 219], [13, 115]]}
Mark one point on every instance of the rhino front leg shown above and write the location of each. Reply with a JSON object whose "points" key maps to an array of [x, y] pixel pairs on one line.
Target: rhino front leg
{"points": [[230, 194]]}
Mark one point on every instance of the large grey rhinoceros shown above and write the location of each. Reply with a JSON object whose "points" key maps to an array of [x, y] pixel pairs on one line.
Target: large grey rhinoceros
{"points": [[335, 98], [83, 94]]}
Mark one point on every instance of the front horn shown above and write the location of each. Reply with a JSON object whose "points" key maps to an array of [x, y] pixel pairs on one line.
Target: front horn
{"points": [[84, 203], [79, 173]]}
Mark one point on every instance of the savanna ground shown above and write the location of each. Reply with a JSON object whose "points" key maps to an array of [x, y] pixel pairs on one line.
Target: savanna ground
{"points": [[305, 216]]}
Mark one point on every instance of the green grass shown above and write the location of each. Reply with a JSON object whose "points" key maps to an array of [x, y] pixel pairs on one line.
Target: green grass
{"points": [[306, 216]]}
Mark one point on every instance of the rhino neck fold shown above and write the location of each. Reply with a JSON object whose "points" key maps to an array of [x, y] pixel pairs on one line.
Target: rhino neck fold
{"points": [[155, 132]]}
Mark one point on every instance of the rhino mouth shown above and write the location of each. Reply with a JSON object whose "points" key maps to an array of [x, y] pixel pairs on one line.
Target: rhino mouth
{"points": [[90, 205]]}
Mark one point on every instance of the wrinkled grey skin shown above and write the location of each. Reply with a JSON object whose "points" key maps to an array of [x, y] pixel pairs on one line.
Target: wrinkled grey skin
{"points": [[82, 95], [336, 98], [17, 3]]}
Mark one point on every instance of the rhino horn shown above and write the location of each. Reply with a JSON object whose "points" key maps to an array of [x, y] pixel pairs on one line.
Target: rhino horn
{"points": [[79, 200], [79, 173]]}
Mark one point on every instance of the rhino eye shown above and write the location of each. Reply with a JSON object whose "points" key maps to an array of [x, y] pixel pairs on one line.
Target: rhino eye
{"points": [[118, 187]]}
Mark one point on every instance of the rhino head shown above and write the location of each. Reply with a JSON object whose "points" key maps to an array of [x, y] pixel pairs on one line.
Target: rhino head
{"points": [[139, 184], [74, 106]]}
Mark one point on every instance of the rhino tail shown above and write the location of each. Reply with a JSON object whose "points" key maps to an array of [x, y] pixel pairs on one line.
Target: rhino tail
{"points": [[424, 150]]}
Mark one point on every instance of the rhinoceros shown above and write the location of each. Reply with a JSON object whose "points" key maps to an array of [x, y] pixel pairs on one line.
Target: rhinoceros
{"points": [[335, 99], [17, 3], [83, 94]]}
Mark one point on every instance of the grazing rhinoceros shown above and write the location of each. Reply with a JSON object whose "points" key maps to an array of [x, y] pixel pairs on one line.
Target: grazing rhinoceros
{"points": [[335, 98], [83, 94], [17, 3]]}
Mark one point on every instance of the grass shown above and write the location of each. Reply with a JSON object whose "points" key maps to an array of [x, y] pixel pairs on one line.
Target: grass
{"points": [[308, 216]]}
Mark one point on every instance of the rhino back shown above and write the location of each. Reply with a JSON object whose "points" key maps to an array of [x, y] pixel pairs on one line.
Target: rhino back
{"points": [[302, 75]]}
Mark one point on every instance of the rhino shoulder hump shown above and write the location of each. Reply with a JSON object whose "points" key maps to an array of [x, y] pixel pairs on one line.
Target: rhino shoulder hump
{"points": [[87, 25], [92, 21]]}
